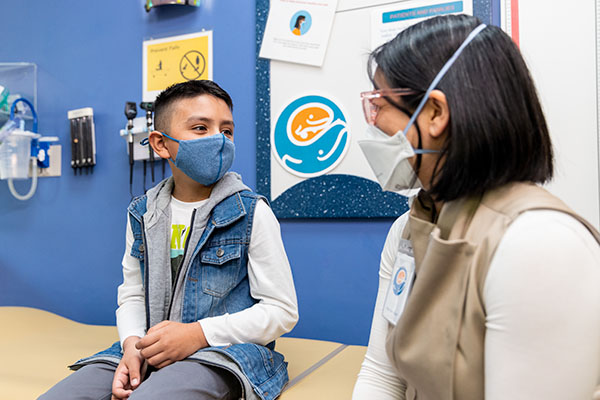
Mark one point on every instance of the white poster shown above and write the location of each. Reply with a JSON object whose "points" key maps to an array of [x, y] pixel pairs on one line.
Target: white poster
{"points": [[298, 30]]}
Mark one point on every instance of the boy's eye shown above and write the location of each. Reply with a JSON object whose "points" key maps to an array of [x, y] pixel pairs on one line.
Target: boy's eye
{"points": [[200, 128], [227, 132]]}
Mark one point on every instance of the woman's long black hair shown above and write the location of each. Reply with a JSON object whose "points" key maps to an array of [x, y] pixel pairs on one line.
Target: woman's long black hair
{"points": [[497, 131]]}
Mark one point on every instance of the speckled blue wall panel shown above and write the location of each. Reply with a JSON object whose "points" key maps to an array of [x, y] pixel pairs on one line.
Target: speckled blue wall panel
{"points": [[263, 106], [482, 9], [327, 196], [338, 196]]}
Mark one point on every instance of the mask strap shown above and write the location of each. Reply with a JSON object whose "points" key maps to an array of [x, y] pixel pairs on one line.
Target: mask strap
{"points": [[437, 80], [145, 141], [165, 135]]}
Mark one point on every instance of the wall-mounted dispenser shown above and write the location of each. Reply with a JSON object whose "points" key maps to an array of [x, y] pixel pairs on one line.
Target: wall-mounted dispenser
{"points": [[22, 152]]}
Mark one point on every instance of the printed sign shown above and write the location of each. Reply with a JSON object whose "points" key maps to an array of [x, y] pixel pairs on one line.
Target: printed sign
{"points": [[298, 31], [175, 59], [387, 23]]}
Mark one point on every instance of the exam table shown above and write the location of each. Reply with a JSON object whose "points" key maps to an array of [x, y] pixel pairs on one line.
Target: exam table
{"points": [[36, 346]]}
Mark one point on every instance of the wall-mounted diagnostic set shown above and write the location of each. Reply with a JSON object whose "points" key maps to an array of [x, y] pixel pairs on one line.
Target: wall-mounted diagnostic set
{"points": [[83, 140], [136, 134]]}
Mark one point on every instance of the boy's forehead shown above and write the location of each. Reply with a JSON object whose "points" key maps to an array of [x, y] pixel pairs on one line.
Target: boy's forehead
{"points": [[200, 108], [200, 102]]}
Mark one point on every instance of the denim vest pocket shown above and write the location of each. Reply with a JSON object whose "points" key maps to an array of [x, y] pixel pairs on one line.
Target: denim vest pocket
{"points": [[137, 249], [220, 268]]}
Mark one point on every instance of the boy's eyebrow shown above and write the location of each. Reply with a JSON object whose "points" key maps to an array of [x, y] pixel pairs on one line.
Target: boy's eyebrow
{"points": [[205, 119]]}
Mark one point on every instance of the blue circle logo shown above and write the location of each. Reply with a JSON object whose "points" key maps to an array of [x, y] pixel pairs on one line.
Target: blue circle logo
{"points": [[400, 281], [310, 136], [300, 23]]}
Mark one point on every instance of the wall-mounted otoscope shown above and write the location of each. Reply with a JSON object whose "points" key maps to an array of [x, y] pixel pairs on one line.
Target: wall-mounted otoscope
{"points": [[130, 113], [148, 106]]}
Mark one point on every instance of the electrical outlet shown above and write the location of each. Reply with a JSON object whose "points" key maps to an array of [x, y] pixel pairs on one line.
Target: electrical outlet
{"points": [[54, 169]]}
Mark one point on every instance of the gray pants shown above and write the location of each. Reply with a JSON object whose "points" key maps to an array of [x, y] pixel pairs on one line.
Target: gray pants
{"points": [[183, 380]]}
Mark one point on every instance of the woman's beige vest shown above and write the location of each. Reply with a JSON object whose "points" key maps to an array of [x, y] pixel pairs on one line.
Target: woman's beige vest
{"points": [[438, 344]]}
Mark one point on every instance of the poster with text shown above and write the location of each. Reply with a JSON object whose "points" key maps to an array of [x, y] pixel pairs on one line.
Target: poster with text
{"points": [[298, 30], [175, 59]]}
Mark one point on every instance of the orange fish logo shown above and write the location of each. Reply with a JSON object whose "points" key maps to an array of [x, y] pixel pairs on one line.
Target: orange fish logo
{"points": [[308, 123]]}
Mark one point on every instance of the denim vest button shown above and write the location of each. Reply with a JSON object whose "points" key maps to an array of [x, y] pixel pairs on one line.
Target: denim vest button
{"points": [[141, 248], [220, 252]]}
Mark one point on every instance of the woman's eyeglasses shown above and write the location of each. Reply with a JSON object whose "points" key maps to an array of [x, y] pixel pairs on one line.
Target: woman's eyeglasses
{"points": [[370, 109]]}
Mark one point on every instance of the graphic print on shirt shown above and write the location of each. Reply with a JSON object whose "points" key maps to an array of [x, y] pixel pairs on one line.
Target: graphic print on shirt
{"points": [[179, 234]]}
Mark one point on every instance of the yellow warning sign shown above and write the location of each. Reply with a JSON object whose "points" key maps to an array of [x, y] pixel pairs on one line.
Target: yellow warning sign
{"points": [[177, 59]]}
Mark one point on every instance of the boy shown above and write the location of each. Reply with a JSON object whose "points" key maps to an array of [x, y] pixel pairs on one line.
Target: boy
{"points": [[207, 286]]}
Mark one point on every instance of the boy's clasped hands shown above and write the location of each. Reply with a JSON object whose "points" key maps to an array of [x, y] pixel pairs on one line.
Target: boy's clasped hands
{"points": [[164, 344]]}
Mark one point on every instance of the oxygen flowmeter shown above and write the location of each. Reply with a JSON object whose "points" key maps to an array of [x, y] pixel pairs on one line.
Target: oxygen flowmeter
{"points": [[21, 150]]}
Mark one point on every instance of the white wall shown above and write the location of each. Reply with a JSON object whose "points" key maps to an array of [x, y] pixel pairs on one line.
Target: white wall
{"points": [[559, 45]]}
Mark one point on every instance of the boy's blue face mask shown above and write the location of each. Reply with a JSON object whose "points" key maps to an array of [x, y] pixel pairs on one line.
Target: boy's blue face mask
{"points": [[205, 159]]}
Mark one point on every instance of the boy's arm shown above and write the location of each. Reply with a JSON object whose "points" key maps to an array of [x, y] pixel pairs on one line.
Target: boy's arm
{"points": [[271, 283], [131, 314]]}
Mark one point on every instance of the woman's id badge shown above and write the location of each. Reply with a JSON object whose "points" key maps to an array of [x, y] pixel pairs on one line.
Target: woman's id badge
{"points": [[400, 284]]}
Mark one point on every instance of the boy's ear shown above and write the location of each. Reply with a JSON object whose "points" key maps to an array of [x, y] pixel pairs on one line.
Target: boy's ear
{"points": [[157, 141]]}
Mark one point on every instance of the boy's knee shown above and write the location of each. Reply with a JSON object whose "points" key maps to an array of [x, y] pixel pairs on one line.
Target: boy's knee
{"points": [[92, 382]]}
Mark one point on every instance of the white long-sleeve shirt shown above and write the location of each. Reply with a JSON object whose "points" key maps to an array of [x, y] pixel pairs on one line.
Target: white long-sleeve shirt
{"points": [[270, 279], [542, 298]]}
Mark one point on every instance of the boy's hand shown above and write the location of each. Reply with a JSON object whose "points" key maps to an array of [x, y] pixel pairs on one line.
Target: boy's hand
{"points": [[170, 341], [129, 371]]}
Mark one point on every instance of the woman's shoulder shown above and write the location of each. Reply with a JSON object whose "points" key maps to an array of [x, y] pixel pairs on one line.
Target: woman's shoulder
{"points": [[537, 230], [395, 232], [392, 243], [545, 243]]}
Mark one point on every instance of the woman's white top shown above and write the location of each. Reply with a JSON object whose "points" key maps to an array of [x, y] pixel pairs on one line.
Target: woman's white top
{"points": [[269, 276], [542, 299]]}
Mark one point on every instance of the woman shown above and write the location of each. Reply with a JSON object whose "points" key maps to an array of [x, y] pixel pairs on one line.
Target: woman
{"points": [[298, 25], [490, 286]]}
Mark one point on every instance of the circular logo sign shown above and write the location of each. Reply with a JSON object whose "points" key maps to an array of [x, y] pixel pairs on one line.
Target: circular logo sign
{"points": [[310, 136], [400, 281], [300, 23]]}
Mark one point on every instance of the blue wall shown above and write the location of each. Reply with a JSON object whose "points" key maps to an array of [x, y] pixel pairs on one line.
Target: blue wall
{"points": [[61, 251]]}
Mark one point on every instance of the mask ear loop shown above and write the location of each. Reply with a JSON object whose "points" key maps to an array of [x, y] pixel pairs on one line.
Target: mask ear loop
{"points": [[443, 71], [167, 136]]}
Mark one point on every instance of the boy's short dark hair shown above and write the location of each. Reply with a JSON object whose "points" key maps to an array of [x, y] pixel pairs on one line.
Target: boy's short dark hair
{"points": [[184, 90], [497, 131]]}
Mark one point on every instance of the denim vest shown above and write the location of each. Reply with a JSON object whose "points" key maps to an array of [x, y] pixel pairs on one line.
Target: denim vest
{"points": [[216, 283]]}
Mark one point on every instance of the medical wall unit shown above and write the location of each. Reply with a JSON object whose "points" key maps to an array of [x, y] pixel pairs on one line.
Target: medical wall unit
{"points": [[24, 153], [136, 133], [83, 140]]}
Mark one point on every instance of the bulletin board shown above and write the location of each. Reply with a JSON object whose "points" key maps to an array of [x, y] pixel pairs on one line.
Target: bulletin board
{"points": [[321, 172]]}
